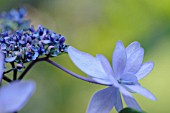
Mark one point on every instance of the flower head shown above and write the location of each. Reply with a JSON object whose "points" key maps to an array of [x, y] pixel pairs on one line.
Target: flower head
{"points": [[26, 45], [122, 78]]}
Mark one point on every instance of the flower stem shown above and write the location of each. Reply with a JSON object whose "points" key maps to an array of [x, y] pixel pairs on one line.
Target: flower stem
{"points": [[10, 70], [60, 67], [7, 79], [14, 71], [30, 66], [72, 73]]}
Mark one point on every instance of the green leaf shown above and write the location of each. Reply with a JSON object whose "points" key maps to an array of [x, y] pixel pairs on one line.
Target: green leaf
{"points": [[130, 110]]}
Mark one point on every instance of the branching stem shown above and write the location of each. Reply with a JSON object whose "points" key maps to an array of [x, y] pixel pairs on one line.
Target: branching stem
{"points": [[30, 66]]}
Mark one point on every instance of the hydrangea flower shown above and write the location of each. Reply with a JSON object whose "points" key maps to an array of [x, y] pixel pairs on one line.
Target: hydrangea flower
{"points": [[15, 95], [121, 79], [27, 45]]}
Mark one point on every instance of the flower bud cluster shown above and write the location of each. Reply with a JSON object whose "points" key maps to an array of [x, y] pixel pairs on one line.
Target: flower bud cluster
{"points": [[27, 45]]}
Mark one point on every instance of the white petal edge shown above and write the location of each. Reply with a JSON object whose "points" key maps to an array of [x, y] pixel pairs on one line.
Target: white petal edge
{"points": [[142, 91], [119, 59], [103, 101], [15, 95], [86, 63], [132, 48], [145, 69]]}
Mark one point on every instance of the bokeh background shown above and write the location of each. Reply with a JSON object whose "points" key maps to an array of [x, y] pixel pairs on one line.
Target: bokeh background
{"points": [[94, 26]]}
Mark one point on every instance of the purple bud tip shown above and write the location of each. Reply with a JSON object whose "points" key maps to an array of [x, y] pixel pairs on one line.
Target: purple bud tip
{"points": [[62, 40]]}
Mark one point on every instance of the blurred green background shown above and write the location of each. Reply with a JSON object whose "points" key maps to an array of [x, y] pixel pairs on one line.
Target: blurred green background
{"points": [[94, 26]]}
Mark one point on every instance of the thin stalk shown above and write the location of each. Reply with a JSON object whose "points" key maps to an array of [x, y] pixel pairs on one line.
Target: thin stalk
{"points": [[7, 79], [14, 71], [72, 73], [10, 70], [30, 66]]}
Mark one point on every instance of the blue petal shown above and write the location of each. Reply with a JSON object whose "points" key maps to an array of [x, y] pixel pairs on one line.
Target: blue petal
{"points": [[132, 48], [87, 63], [3, 46], [103, 101], [131, 102], [46, 41], [101, 81], [10, 59], [145, 69], [124, 91], [119, 105], [119, 59], [128, 78], [1, 65], [15, 95], [36, 54], [134, 61], [142, 91], [105, 64]]}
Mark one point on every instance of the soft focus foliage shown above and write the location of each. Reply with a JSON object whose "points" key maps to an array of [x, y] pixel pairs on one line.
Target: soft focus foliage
{"points": [[129, 110], [95, 26]]}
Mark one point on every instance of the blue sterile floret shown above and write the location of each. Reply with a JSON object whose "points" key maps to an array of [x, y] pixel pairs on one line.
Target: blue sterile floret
{"points": [[122, 78], [27, 45], [14, 20]]}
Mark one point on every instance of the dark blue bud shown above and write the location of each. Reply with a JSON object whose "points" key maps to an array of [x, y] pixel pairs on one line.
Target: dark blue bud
{"points": [[22, 12], [4, 34], [61, 40], [32, 28]]}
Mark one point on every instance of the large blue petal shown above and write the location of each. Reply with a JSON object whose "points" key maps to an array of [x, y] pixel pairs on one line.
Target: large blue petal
{"points": [[145, 69], [14, 96], [119, 59], [132, 48], [108, 69], [134, 61], [119, 105], [124, 91], [142, 91], [103, 101], [87, 63], [131, 102], [105, 64]]}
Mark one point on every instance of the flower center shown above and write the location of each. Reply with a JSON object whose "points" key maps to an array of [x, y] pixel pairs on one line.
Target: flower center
{"points": [[125, 82]]}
